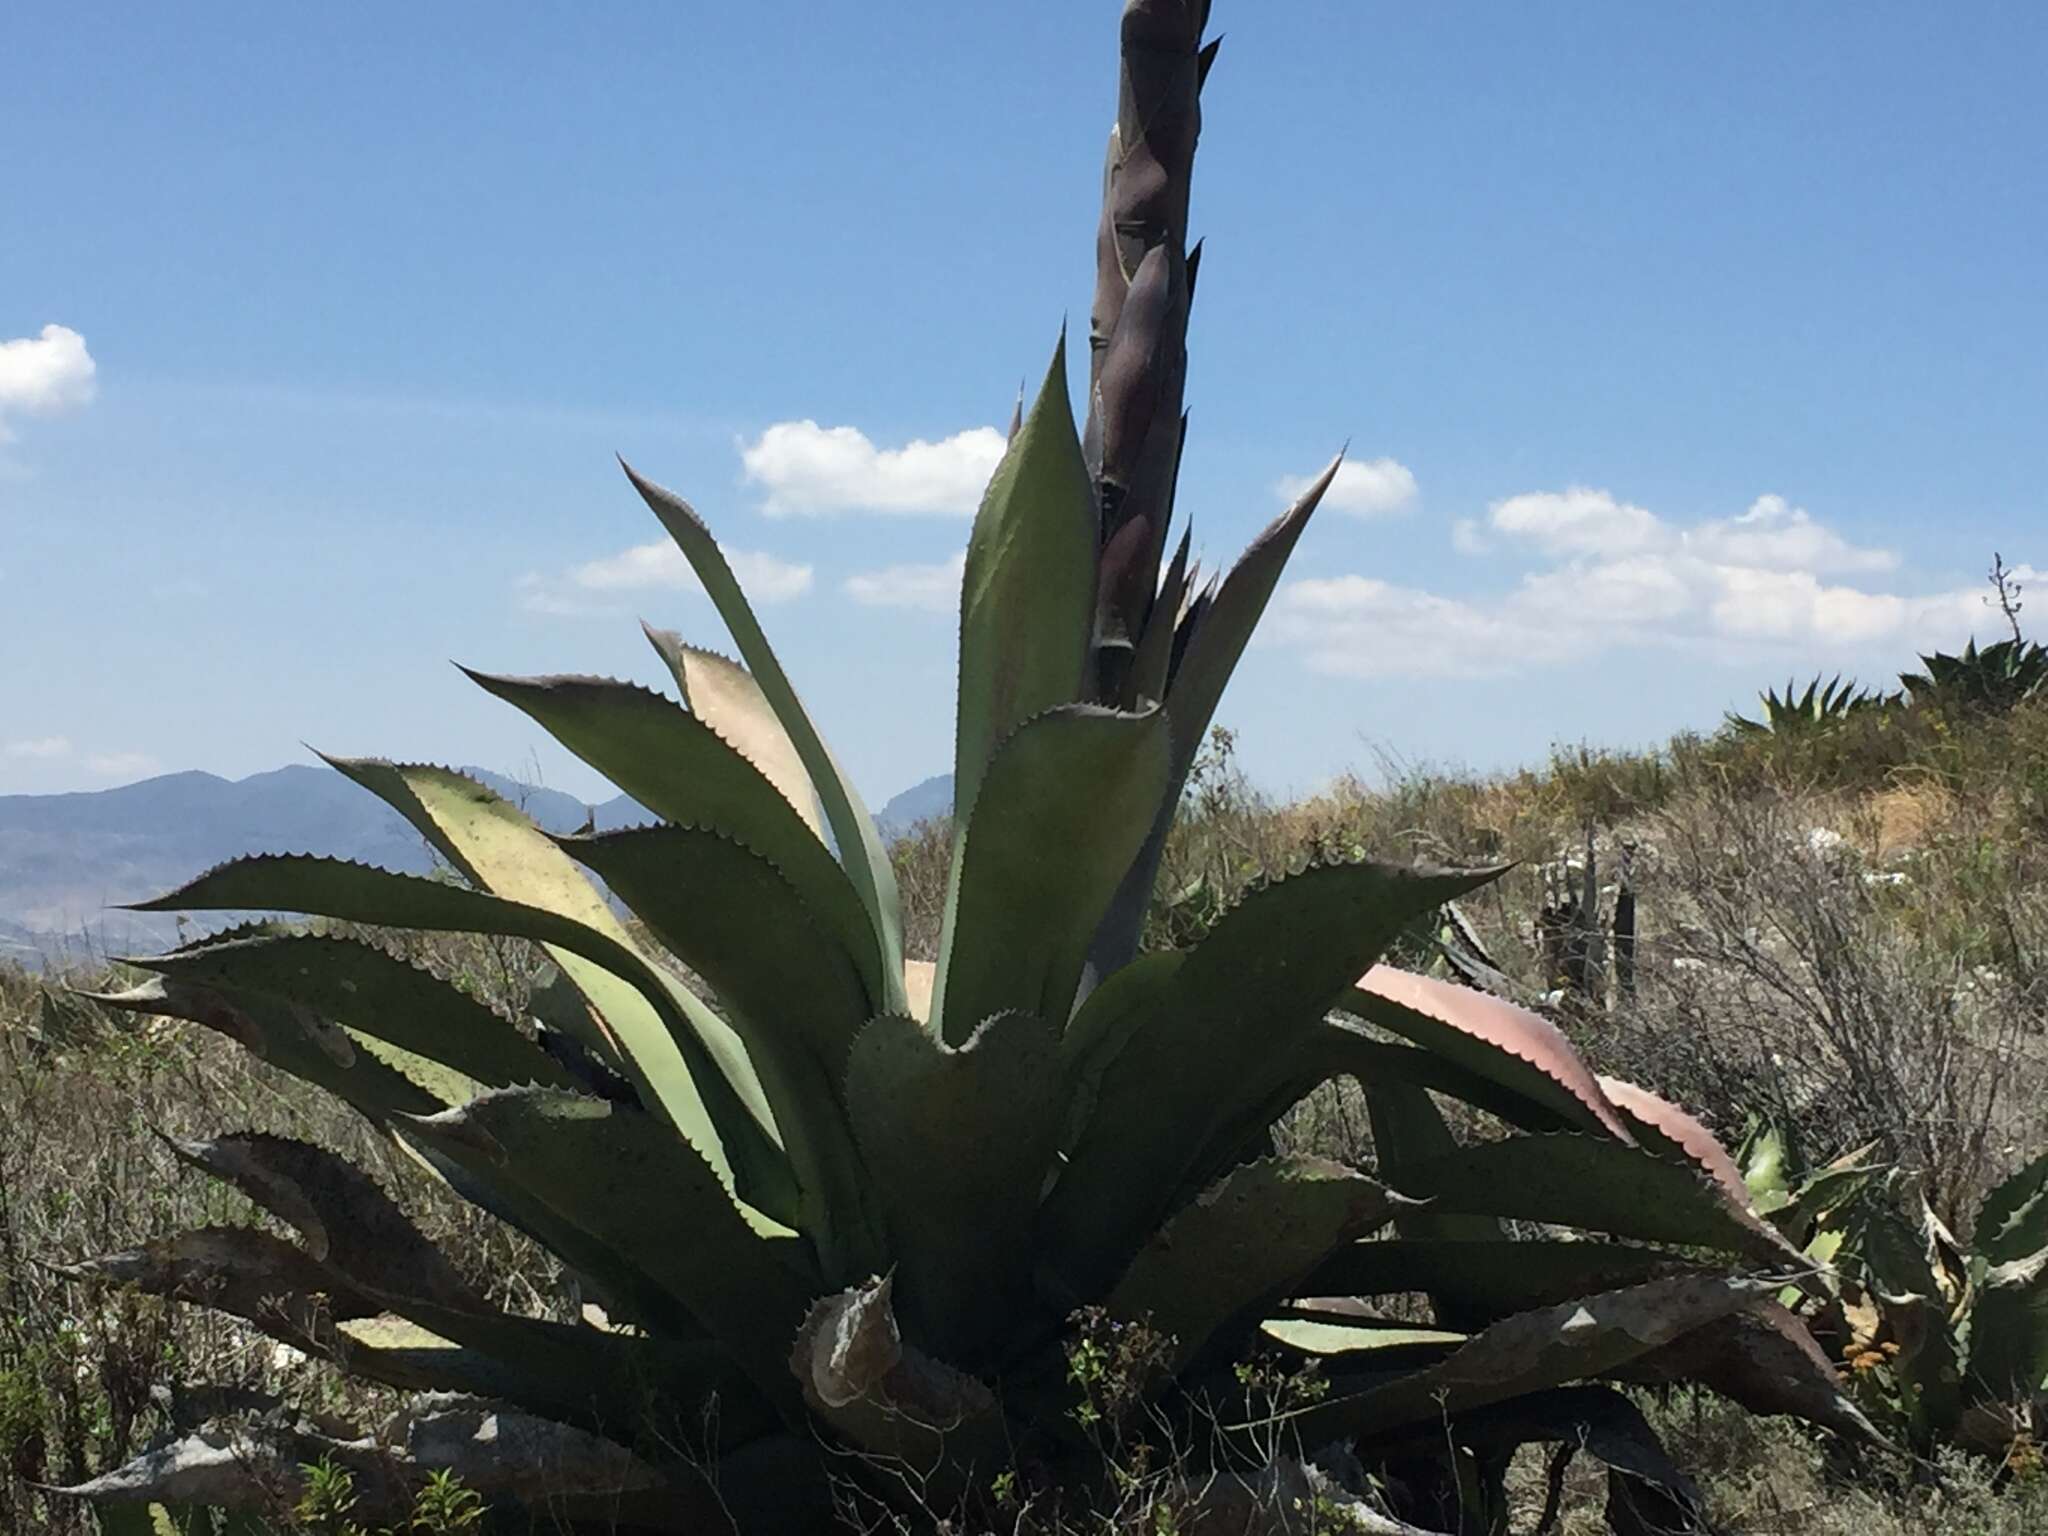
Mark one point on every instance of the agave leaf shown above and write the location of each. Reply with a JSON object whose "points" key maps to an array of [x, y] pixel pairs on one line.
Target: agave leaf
{"points": [[1763, 1358], [681, 768], [498, 849], [1490, 1278], [1407, 1128], [1351, 1343], [2009, 1329], [1213, 652], [1600, 1185], [891, 1400], [1229, 1256], [498, 1452], [363, 988], [352, 1227], [244, 1272], [734, 918], [296, 1042], [791, 989], [1522, 1051], [653, 1021], [1155, 647], [853, 829], [1663, 1128], [1029, 589], [1661, 1124], [1058, 819], [2013, 1220], [1212, 638], [583, 1375], [1541, 1348], [1255, 986], [339, 1211], [959, 1141], [594, 1165], [723, 694]]}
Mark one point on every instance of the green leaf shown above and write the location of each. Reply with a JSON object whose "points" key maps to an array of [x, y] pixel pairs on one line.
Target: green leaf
{"points": [[1352, 1343], [357, 985], [1597, 1184], [339, 1211], [597, 1166], [680, 766], [1407, 1128], [1201, 1057], [307, 1047], [1534, 1350], [791, 990], [1489, 1278], [1219, 640], [583, 1375], [860, 845], [723, 694], [654, 1023], [1066, 801], [1027, 598], [959, 1141], [1154, 658], [1242, 1245], [2013, 1220]]}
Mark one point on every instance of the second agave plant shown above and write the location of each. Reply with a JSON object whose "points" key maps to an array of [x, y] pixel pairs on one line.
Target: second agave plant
{"points": [[883, 1214]]}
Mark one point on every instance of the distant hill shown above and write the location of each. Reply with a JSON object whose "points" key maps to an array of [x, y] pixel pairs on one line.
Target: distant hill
{"points": [[66, 859], [920, 802]]}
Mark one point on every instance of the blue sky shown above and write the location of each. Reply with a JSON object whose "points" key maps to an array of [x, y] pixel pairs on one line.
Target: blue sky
{"points": [[1680, 349]]}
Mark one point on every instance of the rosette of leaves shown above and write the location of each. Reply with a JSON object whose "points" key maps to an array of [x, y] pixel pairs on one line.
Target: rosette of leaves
{"points": [[1998, 678], [842, 1208], [1820, 707]]}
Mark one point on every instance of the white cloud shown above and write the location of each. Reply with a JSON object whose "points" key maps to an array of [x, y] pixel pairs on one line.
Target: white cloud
{"points": [[1468, 538], [1363, 488], [38, 747], [1577, 521], [1612, 574], [1358, 626], [1775, 533], [594, 586], [806, 470], [927, 588], [121, 765], [44, 375]]}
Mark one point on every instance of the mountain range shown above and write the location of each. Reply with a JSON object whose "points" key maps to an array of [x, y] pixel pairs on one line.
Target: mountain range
{"points": [[67, 861]]}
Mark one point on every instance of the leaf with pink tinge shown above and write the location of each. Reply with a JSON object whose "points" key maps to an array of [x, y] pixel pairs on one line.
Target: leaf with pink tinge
{"points": [[1511, 1046], [1673, 1124], [1665, 1129]]}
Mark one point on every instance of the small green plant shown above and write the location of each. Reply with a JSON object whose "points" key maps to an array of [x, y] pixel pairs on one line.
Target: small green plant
{"points": [[444, 1507], [327, 1500]]}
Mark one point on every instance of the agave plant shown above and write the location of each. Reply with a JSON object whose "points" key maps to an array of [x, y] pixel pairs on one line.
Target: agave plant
{"points": [[850, 1217], [1821, 707], [1948, 1343], [1991, 681]]}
